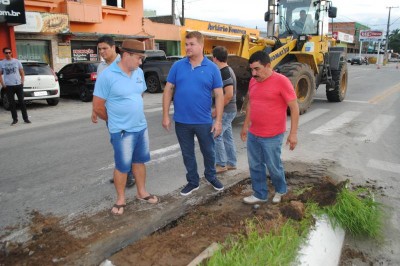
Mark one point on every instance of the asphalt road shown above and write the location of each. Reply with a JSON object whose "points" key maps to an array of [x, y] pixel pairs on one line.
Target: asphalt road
{"points": [[62, 163]]}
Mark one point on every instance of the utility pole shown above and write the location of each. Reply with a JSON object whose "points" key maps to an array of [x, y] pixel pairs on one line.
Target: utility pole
{"points": [[183, 13], [387, 36], [173, 12]]}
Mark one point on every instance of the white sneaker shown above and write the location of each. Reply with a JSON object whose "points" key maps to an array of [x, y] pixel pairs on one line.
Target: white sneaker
{"points": [[277, 198], [252, 200]]}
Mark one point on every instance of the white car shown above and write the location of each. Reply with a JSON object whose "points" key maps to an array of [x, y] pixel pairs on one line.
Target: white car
{"points": [[41, 83]]}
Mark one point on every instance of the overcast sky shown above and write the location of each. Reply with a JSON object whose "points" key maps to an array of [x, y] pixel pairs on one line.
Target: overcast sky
{"points": [[250, 13]]}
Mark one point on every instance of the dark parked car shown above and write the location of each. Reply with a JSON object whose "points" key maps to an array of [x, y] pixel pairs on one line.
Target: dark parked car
{"points": [[78, 79], [359, 60]]}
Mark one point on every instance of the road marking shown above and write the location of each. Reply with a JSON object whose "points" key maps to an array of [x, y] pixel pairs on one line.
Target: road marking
{"points": [[333, 125], [164, 150], [307, 117], [385, 94], [157, 109], [374, 130], [347, 101], [154, 153], [385, 166]]}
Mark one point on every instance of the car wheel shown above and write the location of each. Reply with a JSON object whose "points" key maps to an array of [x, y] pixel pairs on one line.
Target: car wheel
{"points": [[84, 94], [153, 83], [53, 101], [5, 102]]}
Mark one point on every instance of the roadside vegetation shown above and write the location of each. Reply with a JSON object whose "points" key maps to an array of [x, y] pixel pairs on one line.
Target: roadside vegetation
{"points": [[355, 211]]}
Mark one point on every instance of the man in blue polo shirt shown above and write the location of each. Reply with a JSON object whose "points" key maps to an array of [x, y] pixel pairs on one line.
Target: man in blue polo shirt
{"points": [[191, 81], [117, 99]]}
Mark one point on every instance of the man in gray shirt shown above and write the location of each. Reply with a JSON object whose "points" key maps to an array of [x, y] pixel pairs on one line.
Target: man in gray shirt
{"points": [[13, 83], [225, 149]]}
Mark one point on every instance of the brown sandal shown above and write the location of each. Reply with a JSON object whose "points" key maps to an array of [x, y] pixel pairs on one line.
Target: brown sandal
{"points": [[149, 199], [118, 207]]}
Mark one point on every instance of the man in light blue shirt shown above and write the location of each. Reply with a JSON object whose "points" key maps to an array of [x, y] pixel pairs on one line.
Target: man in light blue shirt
{"points": [[108, 51], [118, 100]]}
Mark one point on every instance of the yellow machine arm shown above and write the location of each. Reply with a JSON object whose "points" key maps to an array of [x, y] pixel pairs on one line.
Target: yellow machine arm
{"points": [[248, 47]]}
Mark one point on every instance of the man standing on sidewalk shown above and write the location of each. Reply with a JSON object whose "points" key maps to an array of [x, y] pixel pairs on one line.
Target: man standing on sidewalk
{"points": [[108, 51], [270, 94], [191, 81], [225, 149], [13, 83], [118, 99]]}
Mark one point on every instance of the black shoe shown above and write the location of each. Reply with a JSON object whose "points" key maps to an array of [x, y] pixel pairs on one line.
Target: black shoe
{"points": [[217, 185], [188, 189], [130, 183], [14, 122], [27, 121]]}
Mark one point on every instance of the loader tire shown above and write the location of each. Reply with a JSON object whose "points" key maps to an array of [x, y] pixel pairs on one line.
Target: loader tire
{"points": [[337, 92], [302, 78]]}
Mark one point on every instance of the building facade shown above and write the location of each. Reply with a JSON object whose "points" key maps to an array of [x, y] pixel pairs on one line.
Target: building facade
{"points": [[63, 31], [215, 34], [353, 29]]}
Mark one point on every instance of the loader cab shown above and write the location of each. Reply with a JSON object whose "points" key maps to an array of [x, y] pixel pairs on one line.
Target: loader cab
{"points": [[303, 17]]}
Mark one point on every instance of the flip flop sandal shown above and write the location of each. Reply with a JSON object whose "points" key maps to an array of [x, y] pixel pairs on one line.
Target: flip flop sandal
{"points": [[118, 207], [148, 198]]}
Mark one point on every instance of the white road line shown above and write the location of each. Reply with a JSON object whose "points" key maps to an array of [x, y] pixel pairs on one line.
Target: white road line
{"points": [[154, 153], [385, 166], [333, 125], [307, 117], [374, 130], [348, 101], [164, 150], [157, 109]]}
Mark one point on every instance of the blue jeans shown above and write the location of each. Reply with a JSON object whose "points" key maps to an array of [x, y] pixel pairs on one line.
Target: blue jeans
{"points": [[186, 134], [265, 153], [225, 149]]}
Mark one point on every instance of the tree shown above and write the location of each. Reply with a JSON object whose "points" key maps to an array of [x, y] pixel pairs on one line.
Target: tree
{"points": [[394, 40]]}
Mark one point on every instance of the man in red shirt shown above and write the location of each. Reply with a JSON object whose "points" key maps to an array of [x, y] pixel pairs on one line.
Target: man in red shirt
{"points": [[270, 94]]}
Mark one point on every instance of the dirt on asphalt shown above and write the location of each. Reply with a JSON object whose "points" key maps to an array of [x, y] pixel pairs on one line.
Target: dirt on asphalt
{"points": [[180, 241]]}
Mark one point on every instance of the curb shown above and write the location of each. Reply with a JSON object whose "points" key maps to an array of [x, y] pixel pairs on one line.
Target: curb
{"points": [[324, 244]]}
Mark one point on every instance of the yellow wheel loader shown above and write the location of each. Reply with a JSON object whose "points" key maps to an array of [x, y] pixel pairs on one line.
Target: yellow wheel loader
{"points": [[300, 48]]}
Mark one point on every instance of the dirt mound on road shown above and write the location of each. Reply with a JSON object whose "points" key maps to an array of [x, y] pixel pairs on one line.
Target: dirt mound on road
{"points": [[178, 242]]}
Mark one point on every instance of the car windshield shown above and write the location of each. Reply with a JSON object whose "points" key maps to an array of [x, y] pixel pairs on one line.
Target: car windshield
{"points": [[37, 69]]}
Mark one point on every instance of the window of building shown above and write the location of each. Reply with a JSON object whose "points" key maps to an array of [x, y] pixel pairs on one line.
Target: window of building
{"points": [[116, 3]]}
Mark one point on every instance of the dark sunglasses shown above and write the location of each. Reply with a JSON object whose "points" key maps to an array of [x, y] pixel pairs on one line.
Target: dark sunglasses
{"points": [[7, 52]]}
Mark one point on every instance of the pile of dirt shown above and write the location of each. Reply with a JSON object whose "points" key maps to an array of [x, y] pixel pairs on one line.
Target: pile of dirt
{"points": [[182, 240]]}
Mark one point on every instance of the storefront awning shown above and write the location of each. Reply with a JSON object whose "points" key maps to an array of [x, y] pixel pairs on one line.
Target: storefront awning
{"points": [[220, 36], [115, 36]]}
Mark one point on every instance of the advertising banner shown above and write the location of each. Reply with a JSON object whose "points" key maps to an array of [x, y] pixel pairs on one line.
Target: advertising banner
{"points": [[44, 22], [343, 37], [12, 12], [371, 36]]}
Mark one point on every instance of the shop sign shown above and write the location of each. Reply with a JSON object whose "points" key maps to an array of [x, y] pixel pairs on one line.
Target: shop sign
{"points": [[84, 54], [12, 12], [44, 22], [371, 36], [225, 28], [343, 37]]}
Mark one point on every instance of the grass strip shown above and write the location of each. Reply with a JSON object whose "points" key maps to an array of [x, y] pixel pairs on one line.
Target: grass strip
{"points": [[277, 247], [357, 212]]}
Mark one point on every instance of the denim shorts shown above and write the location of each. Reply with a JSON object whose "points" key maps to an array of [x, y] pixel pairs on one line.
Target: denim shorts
{"points": [[129, 148]]}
